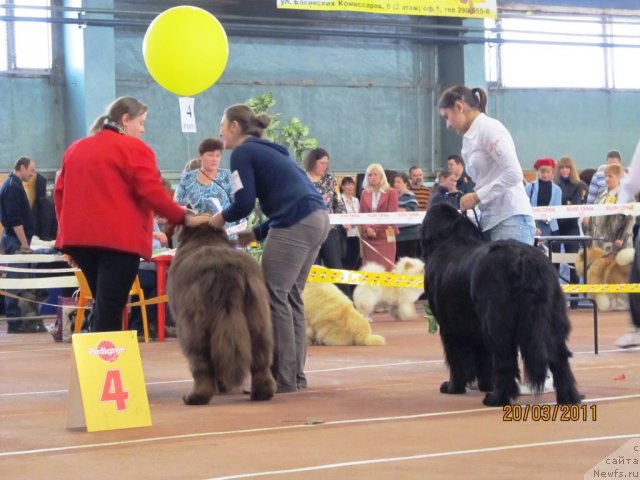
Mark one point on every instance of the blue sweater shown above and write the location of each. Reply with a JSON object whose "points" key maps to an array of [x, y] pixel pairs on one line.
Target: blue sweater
{"points": [[556, 198], [264, 170]]}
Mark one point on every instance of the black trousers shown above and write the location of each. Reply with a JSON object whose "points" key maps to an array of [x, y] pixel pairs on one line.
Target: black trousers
{"points": [[407, 248], [110, 275], [351, 259], [330, 256]]}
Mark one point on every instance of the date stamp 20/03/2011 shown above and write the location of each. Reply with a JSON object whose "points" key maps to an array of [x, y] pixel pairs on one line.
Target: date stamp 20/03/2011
{"points": [[549, 413]]}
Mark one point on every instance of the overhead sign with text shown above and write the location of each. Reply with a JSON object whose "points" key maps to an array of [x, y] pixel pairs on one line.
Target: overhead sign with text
{"points": [[438, 8]]}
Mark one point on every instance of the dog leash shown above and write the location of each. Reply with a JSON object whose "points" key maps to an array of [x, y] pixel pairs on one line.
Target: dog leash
{"points": [[377, 251]]}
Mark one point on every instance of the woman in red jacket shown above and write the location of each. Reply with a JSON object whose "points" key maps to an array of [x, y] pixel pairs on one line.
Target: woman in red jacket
{"points": [[378, 241], [105, 196]]}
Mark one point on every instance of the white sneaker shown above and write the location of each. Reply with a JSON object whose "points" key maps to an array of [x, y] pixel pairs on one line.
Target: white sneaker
{"points": [[630, 339], [525, 388]]}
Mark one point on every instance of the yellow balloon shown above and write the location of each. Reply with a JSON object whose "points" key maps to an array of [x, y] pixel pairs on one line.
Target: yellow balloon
{"points": [[185, 50]]}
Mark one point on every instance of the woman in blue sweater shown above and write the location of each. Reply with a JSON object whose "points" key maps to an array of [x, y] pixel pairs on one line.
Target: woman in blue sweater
{"points": [[298, 225], [543, 192]]}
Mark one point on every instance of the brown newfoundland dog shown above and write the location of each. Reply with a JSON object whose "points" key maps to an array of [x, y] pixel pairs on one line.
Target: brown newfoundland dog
{"points": [[220, 304]]}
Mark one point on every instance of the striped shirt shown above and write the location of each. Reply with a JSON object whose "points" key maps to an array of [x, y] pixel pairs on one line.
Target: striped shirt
{"points": [[422, 194]]}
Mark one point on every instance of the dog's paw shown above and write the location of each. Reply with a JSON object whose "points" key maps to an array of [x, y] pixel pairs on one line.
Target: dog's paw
{"points": [[448, 387], [491, 400], [261, 394], [195, 399]]}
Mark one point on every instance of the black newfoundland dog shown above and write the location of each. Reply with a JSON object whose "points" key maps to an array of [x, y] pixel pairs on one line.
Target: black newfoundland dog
{"points": [[220, 304], [491, 300]]}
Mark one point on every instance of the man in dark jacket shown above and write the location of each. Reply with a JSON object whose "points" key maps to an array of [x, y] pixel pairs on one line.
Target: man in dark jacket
{"points": [[445, 191], [15, 215], [455, 164]]}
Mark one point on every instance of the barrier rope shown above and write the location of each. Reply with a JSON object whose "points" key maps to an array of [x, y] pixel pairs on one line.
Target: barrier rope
{"points": [[320, 274]]}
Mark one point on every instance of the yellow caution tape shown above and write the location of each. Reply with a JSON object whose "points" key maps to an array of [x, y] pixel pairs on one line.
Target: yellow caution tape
{"points": [[320, 274], [385, 279]]}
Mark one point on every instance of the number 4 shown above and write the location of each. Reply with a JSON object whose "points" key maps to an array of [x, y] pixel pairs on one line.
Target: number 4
{"points": [[112, 390]]}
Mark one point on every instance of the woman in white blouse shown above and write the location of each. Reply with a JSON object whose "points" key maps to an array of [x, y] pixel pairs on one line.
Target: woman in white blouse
{"points": [[350, 254], [490, 155]]}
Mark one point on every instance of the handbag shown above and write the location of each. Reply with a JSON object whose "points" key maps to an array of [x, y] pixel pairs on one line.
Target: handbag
{"points": [[66, 319]]}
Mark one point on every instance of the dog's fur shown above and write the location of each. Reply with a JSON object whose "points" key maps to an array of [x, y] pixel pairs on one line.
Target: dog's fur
{"points": [[401, 300], [602, 269], [491, 300], [220, 304], [31, 308], [332, 318]]}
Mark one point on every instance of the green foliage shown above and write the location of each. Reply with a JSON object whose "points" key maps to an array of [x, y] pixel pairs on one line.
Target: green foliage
{"points": [[294, 135], [262, 104], [432, 323]]}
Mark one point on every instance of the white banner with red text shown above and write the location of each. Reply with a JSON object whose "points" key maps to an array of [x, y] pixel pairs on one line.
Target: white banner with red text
{"points": [[539, 213]]}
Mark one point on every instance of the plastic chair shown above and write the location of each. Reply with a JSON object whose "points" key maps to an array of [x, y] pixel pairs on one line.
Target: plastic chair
{"points": [[85, 295]]}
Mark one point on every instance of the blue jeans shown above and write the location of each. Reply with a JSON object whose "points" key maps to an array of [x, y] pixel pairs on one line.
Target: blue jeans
{"points": [[516, 227], [10, 246]]}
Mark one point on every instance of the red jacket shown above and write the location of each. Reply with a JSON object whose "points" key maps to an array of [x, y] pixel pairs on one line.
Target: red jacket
{"points": [[388, 202], [106, 193]]}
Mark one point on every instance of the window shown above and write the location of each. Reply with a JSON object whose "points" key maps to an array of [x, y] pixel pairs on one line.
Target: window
{"points": [[25, 45], [626, 59], [563, 52]]}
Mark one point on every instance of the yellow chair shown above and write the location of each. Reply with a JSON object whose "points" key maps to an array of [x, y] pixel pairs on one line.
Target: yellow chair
{"points": [[85, 295]]}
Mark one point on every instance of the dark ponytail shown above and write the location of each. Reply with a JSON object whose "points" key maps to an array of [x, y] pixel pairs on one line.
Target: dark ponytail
{"points": [[475, 98], [250, 123]]}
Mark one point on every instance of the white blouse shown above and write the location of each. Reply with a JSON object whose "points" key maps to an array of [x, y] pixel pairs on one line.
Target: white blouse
{"points": [[353, 206], [490, 155]]}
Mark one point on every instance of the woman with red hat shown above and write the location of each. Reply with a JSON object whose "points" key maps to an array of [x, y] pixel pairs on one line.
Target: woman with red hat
{"points": [[543, 192]]}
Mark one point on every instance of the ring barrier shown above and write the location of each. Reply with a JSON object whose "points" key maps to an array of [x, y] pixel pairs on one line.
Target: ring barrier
{"points": [[539, 213], [318, 273]]}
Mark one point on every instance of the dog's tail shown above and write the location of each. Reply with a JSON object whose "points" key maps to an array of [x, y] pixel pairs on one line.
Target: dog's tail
{"points": [[533, 279], [230, 341]]}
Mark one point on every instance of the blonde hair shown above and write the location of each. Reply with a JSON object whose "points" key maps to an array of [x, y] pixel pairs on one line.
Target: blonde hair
{"points": [[615, 169], [384, 184], [567, 161]]}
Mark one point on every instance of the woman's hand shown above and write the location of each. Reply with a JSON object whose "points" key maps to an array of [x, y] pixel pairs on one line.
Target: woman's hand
{"points": [[72, 263], [161, 237], [217, 220], [371, 233], [245, 238], [468, 201], [195, 220]]}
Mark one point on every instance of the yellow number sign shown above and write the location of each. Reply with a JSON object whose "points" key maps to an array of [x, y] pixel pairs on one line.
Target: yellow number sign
{"points": [[107, 389]]}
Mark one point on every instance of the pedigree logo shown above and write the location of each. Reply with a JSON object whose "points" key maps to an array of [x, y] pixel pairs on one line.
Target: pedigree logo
{"points": [[107, 351]]}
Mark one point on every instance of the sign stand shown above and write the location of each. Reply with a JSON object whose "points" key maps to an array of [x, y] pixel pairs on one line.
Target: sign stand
{"points": [[106, 388]]}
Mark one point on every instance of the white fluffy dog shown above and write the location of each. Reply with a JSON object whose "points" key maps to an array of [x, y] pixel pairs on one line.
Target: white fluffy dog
{"points": [[401, 300], [332, 319]]}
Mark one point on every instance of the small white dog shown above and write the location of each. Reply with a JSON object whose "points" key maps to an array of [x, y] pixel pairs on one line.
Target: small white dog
{"points": [[401, 300]]}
